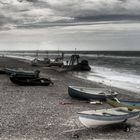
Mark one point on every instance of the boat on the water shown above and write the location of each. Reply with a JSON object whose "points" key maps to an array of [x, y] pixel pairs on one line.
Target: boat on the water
{"points": [[90, 93], [102, 117], [22, 73], [124, 103], [24, 81]]}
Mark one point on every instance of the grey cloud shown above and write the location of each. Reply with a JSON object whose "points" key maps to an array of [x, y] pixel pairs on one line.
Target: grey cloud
{"points": [[97, 7], [28, 0], [40, 12]]}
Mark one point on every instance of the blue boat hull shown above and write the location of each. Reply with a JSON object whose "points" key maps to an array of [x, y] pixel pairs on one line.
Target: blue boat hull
{"points": [[86, 96]]}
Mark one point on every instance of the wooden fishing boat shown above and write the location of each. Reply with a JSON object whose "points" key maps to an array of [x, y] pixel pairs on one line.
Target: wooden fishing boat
{"points": [[82, 66], [22, 73], [90, 93], [30, 82], [123, 103], [103, 117]]}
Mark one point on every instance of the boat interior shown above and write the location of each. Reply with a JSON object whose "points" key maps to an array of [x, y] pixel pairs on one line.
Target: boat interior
{"points": [[114, 111], [101, 91]]}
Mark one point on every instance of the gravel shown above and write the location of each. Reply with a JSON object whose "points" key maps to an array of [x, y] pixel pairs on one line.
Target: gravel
{"points": [[45, 112]]}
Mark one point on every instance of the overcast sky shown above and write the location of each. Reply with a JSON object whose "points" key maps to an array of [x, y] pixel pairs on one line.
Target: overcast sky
{"points": [[23, 22], [37, 13]]}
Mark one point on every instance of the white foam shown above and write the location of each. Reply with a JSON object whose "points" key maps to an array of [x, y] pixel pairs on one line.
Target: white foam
{"points": [[27, 58], [113, 78]]}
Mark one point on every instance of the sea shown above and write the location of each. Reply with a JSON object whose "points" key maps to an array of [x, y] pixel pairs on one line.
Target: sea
{"points": [[115, 71]]}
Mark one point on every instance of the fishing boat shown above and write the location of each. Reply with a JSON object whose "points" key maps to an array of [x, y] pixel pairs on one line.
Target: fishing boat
{"points": [[38, 62], [22, 73], [22, 81], [82, 66], [102, 117], [34, 62], [55, 63], [75, 65], [124, 103], [90, 93]]}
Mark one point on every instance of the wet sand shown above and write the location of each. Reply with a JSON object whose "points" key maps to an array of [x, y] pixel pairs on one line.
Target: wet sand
{"points": [[39, 112]]}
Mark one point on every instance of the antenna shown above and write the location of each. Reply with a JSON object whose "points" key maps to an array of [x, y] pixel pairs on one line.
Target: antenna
{"points": [[75, 50]]}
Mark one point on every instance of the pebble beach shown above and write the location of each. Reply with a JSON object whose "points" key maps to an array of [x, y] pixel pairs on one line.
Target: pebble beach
{"points": [[48, 112]]}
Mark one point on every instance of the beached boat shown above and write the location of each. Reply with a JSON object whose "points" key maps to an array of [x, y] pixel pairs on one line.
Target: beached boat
{"points": [[38, 62], [54, 63], [82, 66], [90, 93], [103, 117], [47, 62], [58, 61], [123, 103], [75, 65], [30, 82], [22, 73], [2, 71]]}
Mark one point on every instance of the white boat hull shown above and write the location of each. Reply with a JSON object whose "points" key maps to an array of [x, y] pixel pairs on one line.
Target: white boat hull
{"points": [[90, 123], [103, 117]]}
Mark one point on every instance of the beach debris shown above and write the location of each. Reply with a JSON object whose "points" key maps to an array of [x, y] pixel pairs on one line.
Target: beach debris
{"points": [[127, 128], [49, 124], [75, 136], [96, 102], [65, 103], [74, 130]]}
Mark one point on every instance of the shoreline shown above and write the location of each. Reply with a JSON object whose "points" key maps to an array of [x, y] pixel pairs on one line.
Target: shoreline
{"points": [[130, 85], [29, 112], [69, 74], [120, 90]]}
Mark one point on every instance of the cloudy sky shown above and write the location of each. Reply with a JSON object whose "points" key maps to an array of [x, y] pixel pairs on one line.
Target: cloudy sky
{"points": [[38, 14]]}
